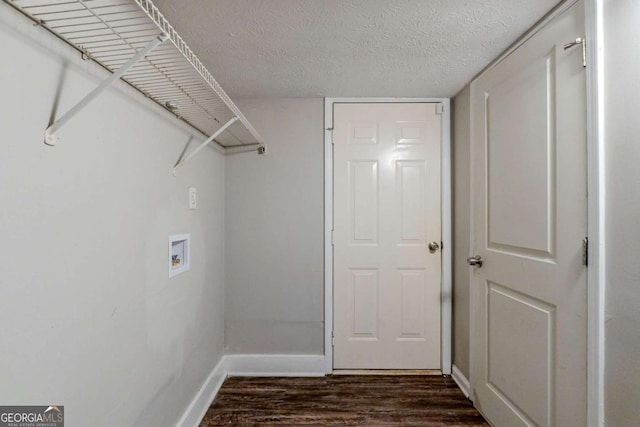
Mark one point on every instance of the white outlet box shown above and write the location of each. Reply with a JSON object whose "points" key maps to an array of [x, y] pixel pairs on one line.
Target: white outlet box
{"points": [[179, 254], [193, 198]]}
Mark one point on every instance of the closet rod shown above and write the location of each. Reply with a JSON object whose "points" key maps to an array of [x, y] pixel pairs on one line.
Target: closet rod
{"points": [[49, 135]]}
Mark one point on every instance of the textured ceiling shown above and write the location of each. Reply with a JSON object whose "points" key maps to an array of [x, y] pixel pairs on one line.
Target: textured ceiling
{"points": [[349, 48]]}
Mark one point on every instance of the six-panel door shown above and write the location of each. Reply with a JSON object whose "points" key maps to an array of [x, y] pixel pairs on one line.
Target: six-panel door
{"points": [[387, 295]]}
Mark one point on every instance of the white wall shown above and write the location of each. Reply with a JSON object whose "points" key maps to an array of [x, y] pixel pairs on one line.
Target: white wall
{"points": [[90, 318], [274, 233], [461, 146], [622, 139]]}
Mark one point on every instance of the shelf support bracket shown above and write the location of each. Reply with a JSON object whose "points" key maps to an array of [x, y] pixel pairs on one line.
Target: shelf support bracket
{"points": [[206, 142], [49, 135]]}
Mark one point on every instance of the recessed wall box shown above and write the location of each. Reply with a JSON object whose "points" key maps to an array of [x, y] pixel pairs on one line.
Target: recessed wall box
{"points": [[179, 253]]}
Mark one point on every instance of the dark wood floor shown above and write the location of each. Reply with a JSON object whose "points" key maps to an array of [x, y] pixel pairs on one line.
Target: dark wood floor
{"points": [[347, 400]]}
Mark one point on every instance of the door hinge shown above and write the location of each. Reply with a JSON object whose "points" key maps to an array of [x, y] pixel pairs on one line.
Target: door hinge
{"points": [[585, 252], [330, 130], [583, 44], [439, 108], [333, 240], [333, 339]]}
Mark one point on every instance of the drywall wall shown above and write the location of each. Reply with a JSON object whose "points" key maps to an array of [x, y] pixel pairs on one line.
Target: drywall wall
{"points": [[460, 150], [622, 127], [274, 233], [90, 319]]}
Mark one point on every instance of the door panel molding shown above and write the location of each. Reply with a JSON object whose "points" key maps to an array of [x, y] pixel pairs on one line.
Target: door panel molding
{"points": [[405, 135]]}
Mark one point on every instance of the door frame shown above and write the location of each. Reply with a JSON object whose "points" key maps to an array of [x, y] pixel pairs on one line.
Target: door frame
{"points": [[445, 184], [596, 284]]}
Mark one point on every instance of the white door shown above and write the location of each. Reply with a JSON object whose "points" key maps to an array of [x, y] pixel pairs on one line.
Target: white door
{"points": [[530, 219], [386, 212]]}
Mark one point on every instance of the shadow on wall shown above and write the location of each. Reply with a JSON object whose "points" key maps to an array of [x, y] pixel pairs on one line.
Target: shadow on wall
{"points": [[56, 97]]}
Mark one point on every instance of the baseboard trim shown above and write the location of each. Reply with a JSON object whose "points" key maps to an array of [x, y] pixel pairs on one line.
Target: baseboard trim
{"points": [[258, 365], [275, 365], [461, 380], [201, 402]]}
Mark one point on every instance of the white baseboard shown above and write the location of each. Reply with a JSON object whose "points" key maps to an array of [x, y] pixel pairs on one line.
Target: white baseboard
{"points": [[258, 365], [198, 407], [275, 365], [461, 380]]}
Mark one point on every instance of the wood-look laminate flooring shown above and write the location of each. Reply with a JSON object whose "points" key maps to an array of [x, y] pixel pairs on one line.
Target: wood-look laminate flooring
{"points": [[342, 400]]}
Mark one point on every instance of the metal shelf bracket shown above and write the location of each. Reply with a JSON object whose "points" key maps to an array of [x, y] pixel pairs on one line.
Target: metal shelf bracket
{"points": [[50, 137], [205, 143]]}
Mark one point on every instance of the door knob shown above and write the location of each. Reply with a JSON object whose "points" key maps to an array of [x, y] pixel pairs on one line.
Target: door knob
{"points": [[433, 246], [475, 261]]}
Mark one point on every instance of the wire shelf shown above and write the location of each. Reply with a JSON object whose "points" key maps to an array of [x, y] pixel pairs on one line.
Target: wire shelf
{"points": [[111, 32]]}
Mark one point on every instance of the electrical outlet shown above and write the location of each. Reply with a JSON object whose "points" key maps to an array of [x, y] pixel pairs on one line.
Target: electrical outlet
{"points": [[192, 198]]}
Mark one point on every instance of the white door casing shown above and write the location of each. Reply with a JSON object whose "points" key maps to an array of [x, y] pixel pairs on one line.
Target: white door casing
{"points": [[387, 284], [528, 118]]}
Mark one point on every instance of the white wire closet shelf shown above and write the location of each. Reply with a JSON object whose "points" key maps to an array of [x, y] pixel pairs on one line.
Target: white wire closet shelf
{"points": [[127, 37]]}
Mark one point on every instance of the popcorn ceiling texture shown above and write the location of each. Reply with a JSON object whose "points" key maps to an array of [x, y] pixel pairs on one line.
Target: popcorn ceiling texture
{"points": [[349, 48]]}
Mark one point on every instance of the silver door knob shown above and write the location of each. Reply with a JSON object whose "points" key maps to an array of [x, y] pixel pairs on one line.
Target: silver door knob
{"points": [[475, 261], [433, 246]]}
